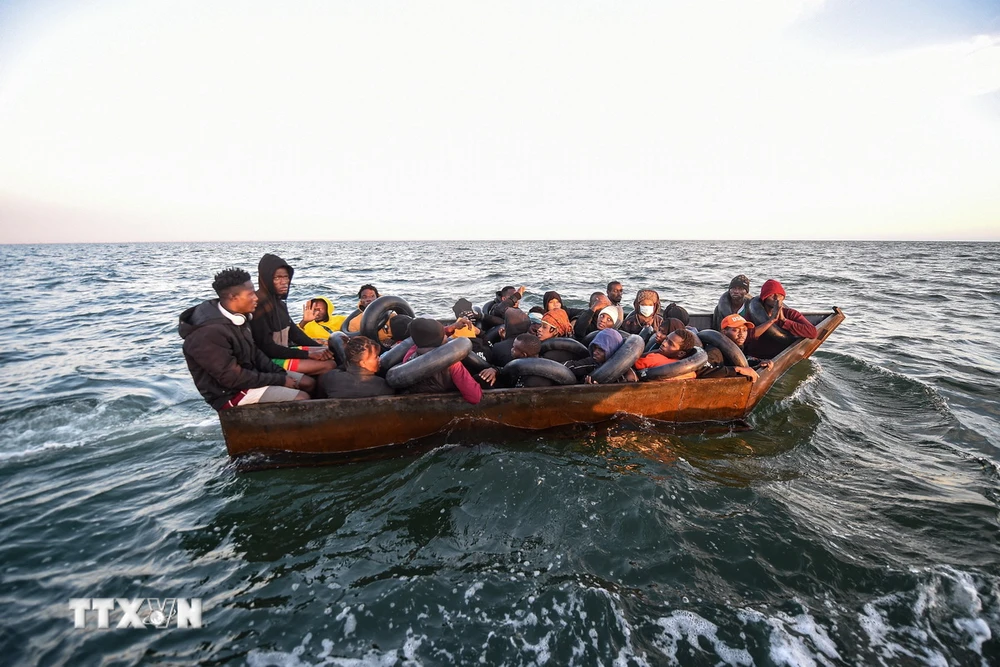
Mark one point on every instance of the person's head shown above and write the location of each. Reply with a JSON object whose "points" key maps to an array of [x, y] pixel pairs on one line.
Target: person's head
{"points": [[615, 290], [515, 323], [599, 299], [463, 308], [235, 290], [321, 309], [647, 303], [676, 312], [736, 328], [739, 287], [363, 353], [274, 276], [606, 318], [509, 292], [668, 326], [551, 301], [526, 345], [605, 344], [426, 332], [399, 326], [772, 294], [366, 295], [554, 323], [678, 344], [534, 319]]}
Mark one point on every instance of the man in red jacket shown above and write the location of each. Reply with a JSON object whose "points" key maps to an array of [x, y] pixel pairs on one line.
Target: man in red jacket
{"points": [[759, 344]]}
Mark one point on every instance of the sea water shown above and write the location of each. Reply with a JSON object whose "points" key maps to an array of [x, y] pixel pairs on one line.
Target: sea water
{"points": [[855, 522]]}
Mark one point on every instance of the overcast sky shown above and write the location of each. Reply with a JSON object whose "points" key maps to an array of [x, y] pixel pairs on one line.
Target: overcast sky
{"points": [[217, 120]]}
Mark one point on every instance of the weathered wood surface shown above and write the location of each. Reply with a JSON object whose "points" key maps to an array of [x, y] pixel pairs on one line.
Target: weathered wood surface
{"points": [[345, 426]]}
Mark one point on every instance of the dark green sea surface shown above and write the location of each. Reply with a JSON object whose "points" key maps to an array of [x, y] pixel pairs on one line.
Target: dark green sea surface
{"points": [[854, 523]]}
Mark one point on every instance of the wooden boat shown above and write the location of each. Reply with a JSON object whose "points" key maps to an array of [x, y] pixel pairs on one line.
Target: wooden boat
{"points": [[362, 427]]}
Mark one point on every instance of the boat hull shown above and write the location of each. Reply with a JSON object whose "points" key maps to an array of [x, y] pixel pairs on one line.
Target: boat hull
{"points": [[350, 427]]}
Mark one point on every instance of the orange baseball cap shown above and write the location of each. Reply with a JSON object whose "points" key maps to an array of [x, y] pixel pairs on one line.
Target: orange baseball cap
{"points": [[735, 320]]}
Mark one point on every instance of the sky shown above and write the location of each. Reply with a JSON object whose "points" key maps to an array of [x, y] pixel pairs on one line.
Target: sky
{"points": [[148, 120]]}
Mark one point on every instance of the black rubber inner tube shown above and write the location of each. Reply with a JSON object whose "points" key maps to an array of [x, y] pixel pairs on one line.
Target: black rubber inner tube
{"points": [[589, 338], [338, 345], [348, 319], [475, 364], [393, 356], [689, 364], [539, 367], [646, 332], [730, 351], [416, 369], [377, 314], [493, 335], [620, 361], [652, 344], [758, 315], [571, 345]]}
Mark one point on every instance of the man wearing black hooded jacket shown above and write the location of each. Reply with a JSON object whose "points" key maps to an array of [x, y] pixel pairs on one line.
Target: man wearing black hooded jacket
{"points": [[226, 366], [274, 332]]}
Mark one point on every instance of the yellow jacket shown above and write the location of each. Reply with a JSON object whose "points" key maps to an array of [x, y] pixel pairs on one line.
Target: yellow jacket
{"points": [[323, 329]]}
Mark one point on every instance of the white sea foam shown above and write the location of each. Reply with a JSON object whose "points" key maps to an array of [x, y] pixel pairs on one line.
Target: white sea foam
{"points": [[690, 627]]}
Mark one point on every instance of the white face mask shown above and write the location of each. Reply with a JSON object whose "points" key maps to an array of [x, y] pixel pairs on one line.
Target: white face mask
{"points": [[645, 311]]}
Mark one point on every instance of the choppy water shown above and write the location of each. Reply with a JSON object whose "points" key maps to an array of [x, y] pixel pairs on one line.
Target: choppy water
{"points": [[856, 523]]}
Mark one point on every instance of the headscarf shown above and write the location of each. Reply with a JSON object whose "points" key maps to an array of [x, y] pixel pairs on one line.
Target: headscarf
{"points": [[646, 294], [560, 320]]}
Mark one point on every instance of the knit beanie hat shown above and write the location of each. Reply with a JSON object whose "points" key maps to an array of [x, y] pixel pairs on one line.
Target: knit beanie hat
{"points": [[610, 311], [426, 332], [740, 281], [770, 287], [399, 326]]}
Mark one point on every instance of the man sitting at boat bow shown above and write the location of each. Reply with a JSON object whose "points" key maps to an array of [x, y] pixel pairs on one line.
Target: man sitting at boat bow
{"points": [[227, 367]]}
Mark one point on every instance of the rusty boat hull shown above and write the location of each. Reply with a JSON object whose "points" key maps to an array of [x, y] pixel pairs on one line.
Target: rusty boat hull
{"points": [[356, 428]]}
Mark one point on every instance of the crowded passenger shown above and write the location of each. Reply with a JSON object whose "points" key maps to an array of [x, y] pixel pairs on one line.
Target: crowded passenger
{"points": [[318, 320], [733, 301], [737, 329], [515, 323], [676, 346], [366, 294], [272, 327], [357, 379], [645, 313], [428, 334], [589, 320], [526, 346], [602, 348], [227, 367], [615, 291], [790, 322]]}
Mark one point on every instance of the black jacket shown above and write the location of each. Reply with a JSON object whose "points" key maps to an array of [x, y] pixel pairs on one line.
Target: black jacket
{"points": [[352, 382], [221, 355], [272, 316]]}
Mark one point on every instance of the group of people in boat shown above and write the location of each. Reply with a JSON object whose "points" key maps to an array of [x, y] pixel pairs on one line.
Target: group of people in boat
{"points": [[244, 348]]}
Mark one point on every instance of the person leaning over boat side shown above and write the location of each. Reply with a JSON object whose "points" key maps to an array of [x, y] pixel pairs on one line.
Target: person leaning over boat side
{"points": [[734, 300], [428, 334], [772, 296], [509, 298], [676, 346], [272, 327], [645, 313], [227, 367], [318, 320], [602, 348], [358, 378], [589, 320]]}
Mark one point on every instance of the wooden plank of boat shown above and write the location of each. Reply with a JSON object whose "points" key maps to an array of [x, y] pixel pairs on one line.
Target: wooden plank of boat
{"points": [[353, 426]]}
